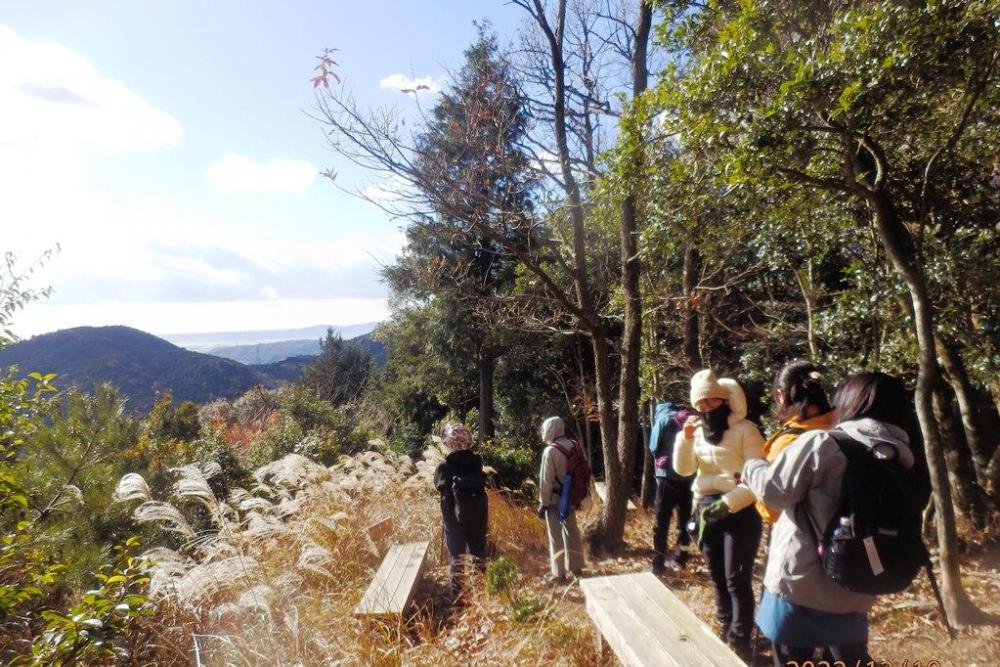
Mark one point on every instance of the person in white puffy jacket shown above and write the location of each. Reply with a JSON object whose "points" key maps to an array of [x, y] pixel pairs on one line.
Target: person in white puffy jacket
{"points": [[714, 446]]}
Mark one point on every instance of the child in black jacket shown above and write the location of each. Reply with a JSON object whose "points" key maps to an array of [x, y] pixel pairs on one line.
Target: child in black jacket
{"points": [[464, 505]]}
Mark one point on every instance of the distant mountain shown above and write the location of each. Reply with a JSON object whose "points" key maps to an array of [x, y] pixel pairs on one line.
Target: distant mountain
{"points": [[285, 370], [270, 353], [139, 364], [203, 342]]}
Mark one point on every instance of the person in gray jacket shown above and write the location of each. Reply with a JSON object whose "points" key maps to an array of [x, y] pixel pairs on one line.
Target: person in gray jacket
{"points": [[565, 541], [802, 609]]}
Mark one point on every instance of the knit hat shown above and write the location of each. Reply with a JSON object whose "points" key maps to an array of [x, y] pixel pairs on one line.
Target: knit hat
{"points": [[456, 437], [704, 385]]}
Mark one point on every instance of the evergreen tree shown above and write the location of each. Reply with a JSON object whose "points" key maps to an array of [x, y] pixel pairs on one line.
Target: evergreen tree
{"points": [[470, 150], [340, 371]]}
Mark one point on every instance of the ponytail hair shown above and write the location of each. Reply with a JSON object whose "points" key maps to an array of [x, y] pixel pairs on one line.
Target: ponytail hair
{"points": [[799, 381]]}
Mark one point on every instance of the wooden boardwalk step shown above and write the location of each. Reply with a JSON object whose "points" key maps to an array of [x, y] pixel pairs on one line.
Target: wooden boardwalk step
{"points": [[392, 586], [646, 625], [602, 493]]}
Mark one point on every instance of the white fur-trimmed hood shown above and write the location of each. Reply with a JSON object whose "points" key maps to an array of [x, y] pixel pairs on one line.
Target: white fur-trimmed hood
{"points": [[737, 400]]}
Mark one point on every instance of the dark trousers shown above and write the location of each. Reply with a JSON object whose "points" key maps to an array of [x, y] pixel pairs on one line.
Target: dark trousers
{"points": [[468, 537], [849, 654], [730, 547], [671, 494]]}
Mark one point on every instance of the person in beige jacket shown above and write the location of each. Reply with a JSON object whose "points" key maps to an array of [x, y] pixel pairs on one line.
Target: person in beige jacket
{"points": [[713, 446], [565, 541]]}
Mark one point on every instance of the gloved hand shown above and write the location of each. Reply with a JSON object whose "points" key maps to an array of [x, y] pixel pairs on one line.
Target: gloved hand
{"points": [[717, 510], [541, 511]]}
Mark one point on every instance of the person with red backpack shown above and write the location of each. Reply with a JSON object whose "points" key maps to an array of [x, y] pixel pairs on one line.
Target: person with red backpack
{"points": [[563, 484], [851, 500]]}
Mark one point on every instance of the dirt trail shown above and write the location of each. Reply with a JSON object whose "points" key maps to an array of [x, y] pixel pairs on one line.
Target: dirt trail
{"points": [[905, 628]]}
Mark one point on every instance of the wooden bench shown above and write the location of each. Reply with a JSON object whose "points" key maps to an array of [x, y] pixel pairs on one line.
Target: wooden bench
{"points": [[646, 624], [380, 530], [392, 587], [602, 493]]}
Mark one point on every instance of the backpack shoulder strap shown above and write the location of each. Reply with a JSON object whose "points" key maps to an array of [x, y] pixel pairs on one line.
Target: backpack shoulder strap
{"points": [[562, 449], [849, 446], [817, 533]]}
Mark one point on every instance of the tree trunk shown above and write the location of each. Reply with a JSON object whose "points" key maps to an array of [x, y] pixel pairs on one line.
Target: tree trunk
{"points": [[899, 247], [609, 529], [691, 346], [806, 288], [965, 394], [612, 521], [994, 388], [590, 320], [487, 363], [587, 436], [968, 495], [993, 469]]}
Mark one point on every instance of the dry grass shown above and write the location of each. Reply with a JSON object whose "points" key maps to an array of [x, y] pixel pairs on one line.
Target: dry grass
{"points": [[278, 580]]}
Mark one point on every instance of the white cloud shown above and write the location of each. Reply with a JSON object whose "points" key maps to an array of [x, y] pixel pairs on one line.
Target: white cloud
{"points": [[237, 173], [157, 258], [400, 81], [54, 99]]}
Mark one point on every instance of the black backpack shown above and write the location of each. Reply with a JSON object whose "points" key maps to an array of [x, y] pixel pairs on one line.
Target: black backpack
{"points": [[467, 490], [873, 544]]}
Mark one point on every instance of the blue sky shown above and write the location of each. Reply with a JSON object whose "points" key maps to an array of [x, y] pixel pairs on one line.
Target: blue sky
{"points": [[164, 146]]}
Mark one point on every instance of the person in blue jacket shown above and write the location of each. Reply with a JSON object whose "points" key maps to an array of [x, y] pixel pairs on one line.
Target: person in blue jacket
{"points": [[673, 492]]}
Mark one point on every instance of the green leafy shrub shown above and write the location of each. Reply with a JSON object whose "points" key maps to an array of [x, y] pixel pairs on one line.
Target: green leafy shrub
{"points": [[502, 578], [277, 441], [315, 446], [501, 575], [106, 620], [513, 462]]}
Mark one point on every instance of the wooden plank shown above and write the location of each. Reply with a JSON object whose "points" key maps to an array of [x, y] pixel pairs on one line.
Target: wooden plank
{"points": [[381, 590], [646, 624], [602, 492], [393, 585], [690, 631], [673, 646], [626, 633], [407, 571], [380, 529]]}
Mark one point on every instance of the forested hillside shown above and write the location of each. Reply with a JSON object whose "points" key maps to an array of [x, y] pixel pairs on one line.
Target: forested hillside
{"points": [[142, 365]]}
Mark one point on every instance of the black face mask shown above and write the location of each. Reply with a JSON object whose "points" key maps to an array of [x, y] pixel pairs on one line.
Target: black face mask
{"points": [[715, 423]]}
